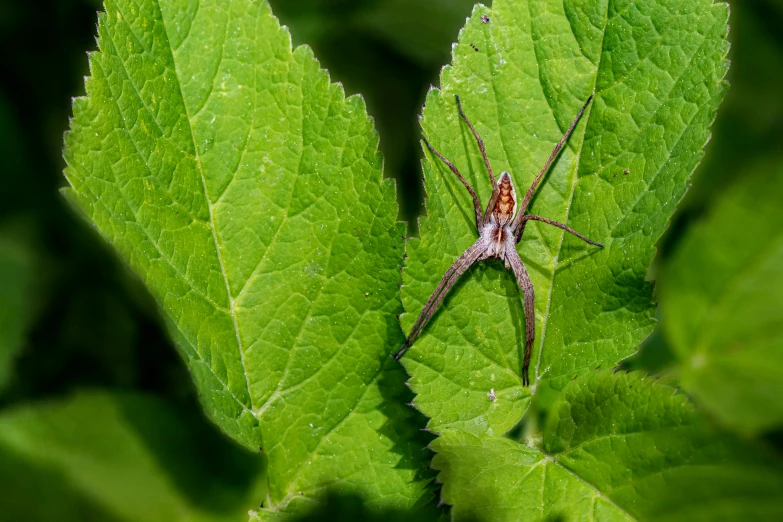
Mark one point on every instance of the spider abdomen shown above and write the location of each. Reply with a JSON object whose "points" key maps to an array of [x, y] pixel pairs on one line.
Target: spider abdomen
{"points": [[503, 212]]}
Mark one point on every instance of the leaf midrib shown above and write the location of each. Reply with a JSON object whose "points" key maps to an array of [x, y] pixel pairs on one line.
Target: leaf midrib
{"points": [[152, 240], [574, 180], [210, 207], [146, 164], [256, 412]]}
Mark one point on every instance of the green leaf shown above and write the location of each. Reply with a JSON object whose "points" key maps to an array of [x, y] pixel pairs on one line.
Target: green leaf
{"points": [[616, 447], [656, 68], [99, 456], [247, 193], [722, 296], [16, 286], [746, 127], [350, 507]]}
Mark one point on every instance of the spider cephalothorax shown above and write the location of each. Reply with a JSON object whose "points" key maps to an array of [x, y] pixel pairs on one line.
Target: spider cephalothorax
{"points": [[500, 228], [497, 230]]}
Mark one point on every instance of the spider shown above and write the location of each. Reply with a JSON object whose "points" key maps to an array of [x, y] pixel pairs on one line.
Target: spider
{"points": [[500, 228]]}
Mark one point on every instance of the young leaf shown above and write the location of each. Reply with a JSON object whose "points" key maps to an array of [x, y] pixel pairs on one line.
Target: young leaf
{"points": [[615, 447], [99, 456], [247, 193], [722, 296], [523, 69]]}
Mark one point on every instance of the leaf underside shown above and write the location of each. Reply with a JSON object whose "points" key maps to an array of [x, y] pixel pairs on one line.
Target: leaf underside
{"points": [[522, 70], [247, 193]]}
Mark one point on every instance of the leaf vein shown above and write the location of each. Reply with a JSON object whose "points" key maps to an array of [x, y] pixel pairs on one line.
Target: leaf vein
{"points": [[212, 227]]}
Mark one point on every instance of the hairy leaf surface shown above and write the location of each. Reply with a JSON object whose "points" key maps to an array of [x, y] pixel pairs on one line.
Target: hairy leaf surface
{"points": [[615, 447], [722, 296], [656, 69], [247, 193]]}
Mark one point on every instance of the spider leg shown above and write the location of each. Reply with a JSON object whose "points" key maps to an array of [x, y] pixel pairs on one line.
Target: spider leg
{"points": [[460, 266], [526, 285], [555, 152], [557, 224], [476, 201], [493, 198], [478, 140]]}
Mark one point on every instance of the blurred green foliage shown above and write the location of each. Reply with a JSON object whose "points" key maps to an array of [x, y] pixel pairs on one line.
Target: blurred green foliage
{"points": [[16, 289], [121, 456], [722, 306], [87, 323]]}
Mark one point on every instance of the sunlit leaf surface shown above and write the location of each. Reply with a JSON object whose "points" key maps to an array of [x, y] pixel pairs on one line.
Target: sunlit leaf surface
{"points": [[522, 69], [615, 447], [247, 193], [656, 70]]}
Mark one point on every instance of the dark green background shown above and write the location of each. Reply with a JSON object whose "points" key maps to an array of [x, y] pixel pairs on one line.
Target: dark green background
{"points": [[93, 326]]}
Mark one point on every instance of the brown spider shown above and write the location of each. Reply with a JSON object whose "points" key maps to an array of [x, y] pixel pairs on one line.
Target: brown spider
{"points": [[499, 231]]}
